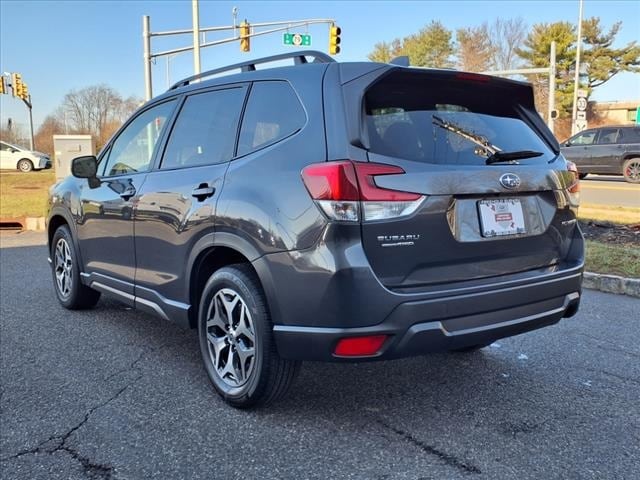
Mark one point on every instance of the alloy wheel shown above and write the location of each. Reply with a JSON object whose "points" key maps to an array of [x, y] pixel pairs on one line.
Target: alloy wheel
{"points": [[231, 337], [63, 267], [633, 170]]}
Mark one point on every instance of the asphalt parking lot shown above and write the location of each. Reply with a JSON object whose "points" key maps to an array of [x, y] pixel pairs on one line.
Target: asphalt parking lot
{"points": [[114, 393]]}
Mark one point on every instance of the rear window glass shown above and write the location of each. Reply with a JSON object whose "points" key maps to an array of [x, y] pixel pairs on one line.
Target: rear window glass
{"points": [[407, 117], [629, 135], [273, 112]]}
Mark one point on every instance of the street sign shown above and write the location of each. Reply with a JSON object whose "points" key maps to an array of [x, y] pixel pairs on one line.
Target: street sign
{"points": [[581, 115], [296, 39], [581, 125], [582, 104]]}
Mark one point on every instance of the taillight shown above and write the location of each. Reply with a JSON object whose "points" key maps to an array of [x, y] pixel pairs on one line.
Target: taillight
{"points": [[343, 189], [574, 188]]}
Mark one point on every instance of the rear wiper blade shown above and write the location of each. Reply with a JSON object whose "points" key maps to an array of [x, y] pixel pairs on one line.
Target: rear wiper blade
{"points": [[486, 149], [498, 157]]}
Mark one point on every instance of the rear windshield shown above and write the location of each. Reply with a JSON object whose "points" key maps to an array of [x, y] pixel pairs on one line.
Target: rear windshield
{"points": [[411, 116]]}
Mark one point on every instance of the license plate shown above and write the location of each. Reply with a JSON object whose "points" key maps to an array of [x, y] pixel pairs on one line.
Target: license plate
{"points": [[501, 217]]}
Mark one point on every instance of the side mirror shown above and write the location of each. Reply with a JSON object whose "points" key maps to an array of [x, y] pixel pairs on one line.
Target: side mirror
{"points": [[84, 167], [567, 143]]}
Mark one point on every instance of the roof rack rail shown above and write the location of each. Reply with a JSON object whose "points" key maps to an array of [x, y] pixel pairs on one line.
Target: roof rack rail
{"points": [[298, 57]]}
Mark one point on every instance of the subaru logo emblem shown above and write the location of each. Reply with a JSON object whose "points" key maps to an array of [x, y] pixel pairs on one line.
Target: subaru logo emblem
{"points": [[510, 181]]}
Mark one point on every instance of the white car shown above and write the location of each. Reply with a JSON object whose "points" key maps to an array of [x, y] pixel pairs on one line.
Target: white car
{"points": [[13, 157]]}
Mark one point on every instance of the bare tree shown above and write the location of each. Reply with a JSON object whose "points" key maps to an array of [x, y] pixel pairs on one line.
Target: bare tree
{"points": [[97, 110], [44, 136], [476, 51], [15, 135], [507, 37]]}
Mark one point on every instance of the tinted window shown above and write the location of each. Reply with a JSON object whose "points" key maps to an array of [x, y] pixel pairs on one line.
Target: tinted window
{"points": [[206, 128], [416, 117], [608, 136], [629, 135], [273, 112], [133, 150], [584, 138]]}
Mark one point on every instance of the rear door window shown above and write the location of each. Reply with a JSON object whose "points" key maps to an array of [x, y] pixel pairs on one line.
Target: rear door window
{"points": [[412, 116], [205, 131], [629, 135], [273, 113], [608, 136]]}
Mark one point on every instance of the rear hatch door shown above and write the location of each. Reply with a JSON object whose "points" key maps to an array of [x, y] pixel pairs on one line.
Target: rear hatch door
{"points": [[496, 191]]}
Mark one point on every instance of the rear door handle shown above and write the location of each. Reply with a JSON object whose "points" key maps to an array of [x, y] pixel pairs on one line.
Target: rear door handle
{"points": [[203, 191]]}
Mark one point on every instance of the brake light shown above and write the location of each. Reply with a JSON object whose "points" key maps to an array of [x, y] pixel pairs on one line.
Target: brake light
{"points": [[473, 77], [575, 186], [346, 190], [359, 346]]}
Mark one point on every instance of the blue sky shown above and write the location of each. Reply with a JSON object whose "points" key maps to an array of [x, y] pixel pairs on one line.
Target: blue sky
{"points": [[64, 45]]}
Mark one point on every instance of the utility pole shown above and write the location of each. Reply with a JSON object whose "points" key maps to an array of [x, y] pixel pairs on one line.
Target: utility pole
{"points": [[146, 41], [576, 81], [196, 36], [552, 88]]}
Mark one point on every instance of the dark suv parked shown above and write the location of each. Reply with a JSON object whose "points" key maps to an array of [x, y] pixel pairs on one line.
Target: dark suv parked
{"points": [[606, 150], [325, 211]]}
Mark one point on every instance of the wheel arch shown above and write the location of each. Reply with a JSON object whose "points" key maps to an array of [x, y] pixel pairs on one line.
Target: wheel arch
{"points": [[212, 255], [57, 218]]}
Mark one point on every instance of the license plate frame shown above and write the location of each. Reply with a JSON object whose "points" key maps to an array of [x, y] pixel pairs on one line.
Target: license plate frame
{"points": [[501, 217]]}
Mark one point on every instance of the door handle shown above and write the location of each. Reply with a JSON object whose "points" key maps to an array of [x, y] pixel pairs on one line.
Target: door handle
{"points": [[203, 191], [128, 193]]}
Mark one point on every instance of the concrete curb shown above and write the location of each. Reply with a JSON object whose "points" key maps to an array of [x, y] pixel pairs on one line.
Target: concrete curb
{"points": [[612, 284], [27, 223]]}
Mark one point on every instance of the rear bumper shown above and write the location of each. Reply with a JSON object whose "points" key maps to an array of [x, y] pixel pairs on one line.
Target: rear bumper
{"points": [[419, 327]]}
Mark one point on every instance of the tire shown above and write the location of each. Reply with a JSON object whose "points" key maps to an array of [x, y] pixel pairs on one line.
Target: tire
{"points": [[25, 165], [631, 170], [582, 176], [71, 293], [257, 376]]}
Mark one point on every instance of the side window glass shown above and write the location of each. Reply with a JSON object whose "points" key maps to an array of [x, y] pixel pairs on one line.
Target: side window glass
{"points": [[273, 113], [585, 138], [132, 151], [205, 130], [608, 136], [629, 135]]}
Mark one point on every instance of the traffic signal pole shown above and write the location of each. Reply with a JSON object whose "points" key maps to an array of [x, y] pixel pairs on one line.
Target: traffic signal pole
{"points": [[32, 141], [147, 34], [19, 90]]}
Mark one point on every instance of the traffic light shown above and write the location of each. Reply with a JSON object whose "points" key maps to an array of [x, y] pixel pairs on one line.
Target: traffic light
{"points": [[3, 87], [245, 40], [16, 84], [334, 39], [24, 91]]}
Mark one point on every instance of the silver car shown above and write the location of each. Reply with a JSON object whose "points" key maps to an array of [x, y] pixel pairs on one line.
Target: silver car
{"points": [[13, 157]]}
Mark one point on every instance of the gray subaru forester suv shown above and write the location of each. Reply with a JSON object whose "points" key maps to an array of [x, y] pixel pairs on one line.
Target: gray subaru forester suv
{"points": [[325, 211]]}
